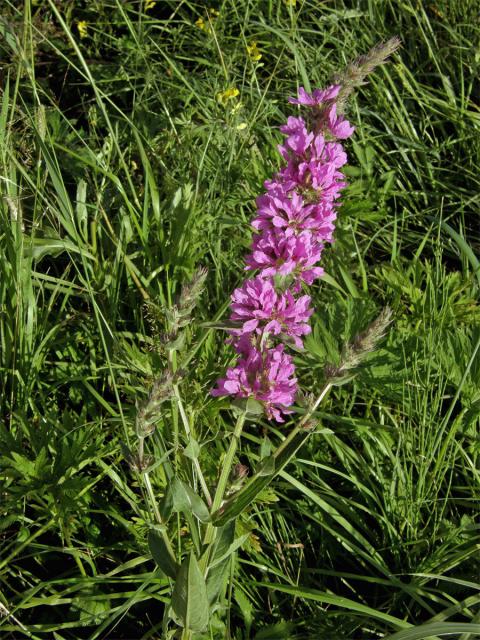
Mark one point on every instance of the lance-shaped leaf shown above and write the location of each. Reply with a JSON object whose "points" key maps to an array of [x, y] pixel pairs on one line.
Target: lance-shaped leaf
{"points": [[160, 554], [190, 605], [185, 499], [217, 570], [180, 497]]}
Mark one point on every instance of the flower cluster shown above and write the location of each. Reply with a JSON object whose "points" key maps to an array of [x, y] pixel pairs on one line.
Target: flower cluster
{"points": [[295, 218]]}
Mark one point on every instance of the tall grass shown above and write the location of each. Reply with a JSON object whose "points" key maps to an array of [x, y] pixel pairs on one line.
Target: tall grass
{"points": [[121, 172]]}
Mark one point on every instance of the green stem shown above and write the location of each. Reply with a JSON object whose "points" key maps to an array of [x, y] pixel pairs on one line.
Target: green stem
{"points": [[172, 362], [281, 457], [158, 517], [196, 463], [227, 463], [141, 449], [186, 634], [222, 484], [151, 495], [301, 425], [75, 553]]}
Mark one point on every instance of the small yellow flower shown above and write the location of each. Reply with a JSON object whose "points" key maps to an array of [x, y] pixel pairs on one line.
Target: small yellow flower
{"points": [[224, 96], [290, 3], [82, 27], [253, 51], [212, 15], [149, 4]]}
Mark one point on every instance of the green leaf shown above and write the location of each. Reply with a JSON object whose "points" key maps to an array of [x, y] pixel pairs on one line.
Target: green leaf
{"points": [[38, 248], [189, 599], [249, 406], [339, 601], [166, 505], [254, 407], [160, 554], [266, 467], [265, 448], [219, 565], [246, 609], [236, 544], [186, 500], [435, 629], [176, 344], [192, 450]]}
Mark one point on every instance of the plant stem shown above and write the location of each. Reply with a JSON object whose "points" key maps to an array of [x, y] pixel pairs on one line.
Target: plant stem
{"points": [[186, 634], [151, 495], [196, 463], [158, 517], [285, 443], [172, 362], [222, 484], [227, 463], [281, 456], [75, 553], [141, 441]]}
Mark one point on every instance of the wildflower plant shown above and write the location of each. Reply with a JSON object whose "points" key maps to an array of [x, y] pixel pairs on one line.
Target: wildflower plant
{"points": [[269, 317]]}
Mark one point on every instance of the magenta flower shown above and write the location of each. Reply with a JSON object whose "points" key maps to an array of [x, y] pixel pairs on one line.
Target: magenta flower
{"points": [[328, 119], [317, 97], [328, 152], [337, 125], [263, 310], [293, 216], [320, 180], [275, 253], [288, 213], [265, 376], [298, 138]]}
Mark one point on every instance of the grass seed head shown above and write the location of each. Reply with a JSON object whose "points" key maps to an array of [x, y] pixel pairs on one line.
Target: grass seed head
{"points": [[356, 72]]}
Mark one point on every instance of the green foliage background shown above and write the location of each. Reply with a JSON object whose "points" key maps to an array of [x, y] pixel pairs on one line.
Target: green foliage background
{"points": [[121, 172]]}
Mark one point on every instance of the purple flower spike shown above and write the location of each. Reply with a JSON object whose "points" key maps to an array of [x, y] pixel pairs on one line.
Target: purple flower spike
{"points": [[263, 310], [295, 218], [336, 125], [265, 376]]}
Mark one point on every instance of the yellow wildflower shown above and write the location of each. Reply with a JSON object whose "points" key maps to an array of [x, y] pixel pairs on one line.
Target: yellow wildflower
{"points": [[82, 27], [149, 4], [212, 15], [224, 96], [290, 3], [253, 51]]}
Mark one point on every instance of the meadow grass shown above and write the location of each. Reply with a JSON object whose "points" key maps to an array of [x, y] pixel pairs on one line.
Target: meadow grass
{"points": [[123, 170]]}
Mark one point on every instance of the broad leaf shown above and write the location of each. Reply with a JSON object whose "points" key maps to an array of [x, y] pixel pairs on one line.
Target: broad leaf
{"points": [[190, 605], [160, 554], [185, 499], [217, 570]]}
